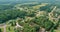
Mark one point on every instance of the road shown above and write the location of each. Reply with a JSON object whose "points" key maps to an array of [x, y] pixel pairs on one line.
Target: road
{"points": [[3, 26]]}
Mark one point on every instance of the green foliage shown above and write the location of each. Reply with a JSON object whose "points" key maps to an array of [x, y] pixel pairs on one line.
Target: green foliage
{"points": [[44, 22], [28, 28], [12, 23], [9, 14], [0, 30], [30, 18], [46, 8]]}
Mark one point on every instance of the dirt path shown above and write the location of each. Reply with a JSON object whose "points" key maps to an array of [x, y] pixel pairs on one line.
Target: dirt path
{"points": [[3, 26]]}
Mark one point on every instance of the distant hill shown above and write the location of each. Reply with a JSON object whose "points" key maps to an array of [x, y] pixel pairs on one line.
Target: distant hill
{"points": [[23, 1]]}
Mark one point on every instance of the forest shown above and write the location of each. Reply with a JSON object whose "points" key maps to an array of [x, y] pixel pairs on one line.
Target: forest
{"points": [[30, 17]]}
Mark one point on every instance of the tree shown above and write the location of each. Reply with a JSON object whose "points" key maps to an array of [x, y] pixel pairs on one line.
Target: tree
{"points": [[0, 30]]}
